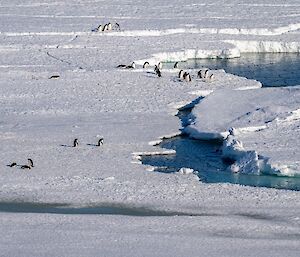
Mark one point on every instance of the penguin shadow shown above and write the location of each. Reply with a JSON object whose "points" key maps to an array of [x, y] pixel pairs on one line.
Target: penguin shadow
{"points": [[99, 143], [94, 145], [13, 165], [63, 145], [19, 166], [177, 80], [150, 74]]}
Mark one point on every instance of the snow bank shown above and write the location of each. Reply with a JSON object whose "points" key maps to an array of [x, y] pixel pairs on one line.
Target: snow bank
{"points": [[165, 32], [265, 122], [234, 51], [227, 31], [186, 171], [265, 46], [186, 54]]}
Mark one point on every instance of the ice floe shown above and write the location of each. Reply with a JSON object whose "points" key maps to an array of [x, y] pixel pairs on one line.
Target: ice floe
{"points": [[266, 123]]}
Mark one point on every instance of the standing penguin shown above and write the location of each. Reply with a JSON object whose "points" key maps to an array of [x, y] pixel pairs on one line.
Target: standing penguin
{"points": [[116, 26], [158, 72], [100, 142], [180, 74], [105, 28], [100, 28], [184, 75], [187, 77], [176, 65], [75, 143], [159, 65], [200, 74], [211, 77], [205, 74], [30, 163]]}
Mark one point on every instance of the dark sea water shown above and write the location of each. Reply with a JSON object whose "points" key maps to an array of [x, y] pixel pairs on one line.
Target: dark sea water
{"points": [[272, 70], [204, 157]]}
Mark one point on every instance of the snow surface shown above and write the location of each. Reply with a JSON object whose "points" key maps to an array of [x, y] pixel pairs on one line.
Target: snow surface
{"points": [[40, 117]]}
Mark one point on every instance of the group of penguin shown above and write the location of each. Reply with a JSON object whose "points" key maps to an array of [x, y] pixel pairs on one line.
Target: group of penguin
{"points": [[183, 75], [28, 166], [100, 142], [202, 74], [107, 27], [30, 162]]}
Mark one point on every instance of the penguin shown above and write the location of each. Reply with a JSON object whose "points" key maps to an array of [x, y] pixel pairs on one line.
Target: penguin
{"points": [[109, 26], [105, 28], [100, 142], [25, 167], [205, 74], [180, 74], [116, 26], [54, 77], [188, 77], [211, 77], [12, 164], [132, 66], [100, 28], [75, 143], [176, 65], [125, 66], [146, 64], [30, 163], [122, 66], [232, 131], [158, 72], [200, 74], [184, 75], [159, 65]]}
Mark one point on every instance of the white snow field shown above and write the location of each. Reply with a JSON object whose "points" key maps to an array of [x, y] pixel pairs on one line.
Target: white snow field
{"points": [[101, 201]]}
